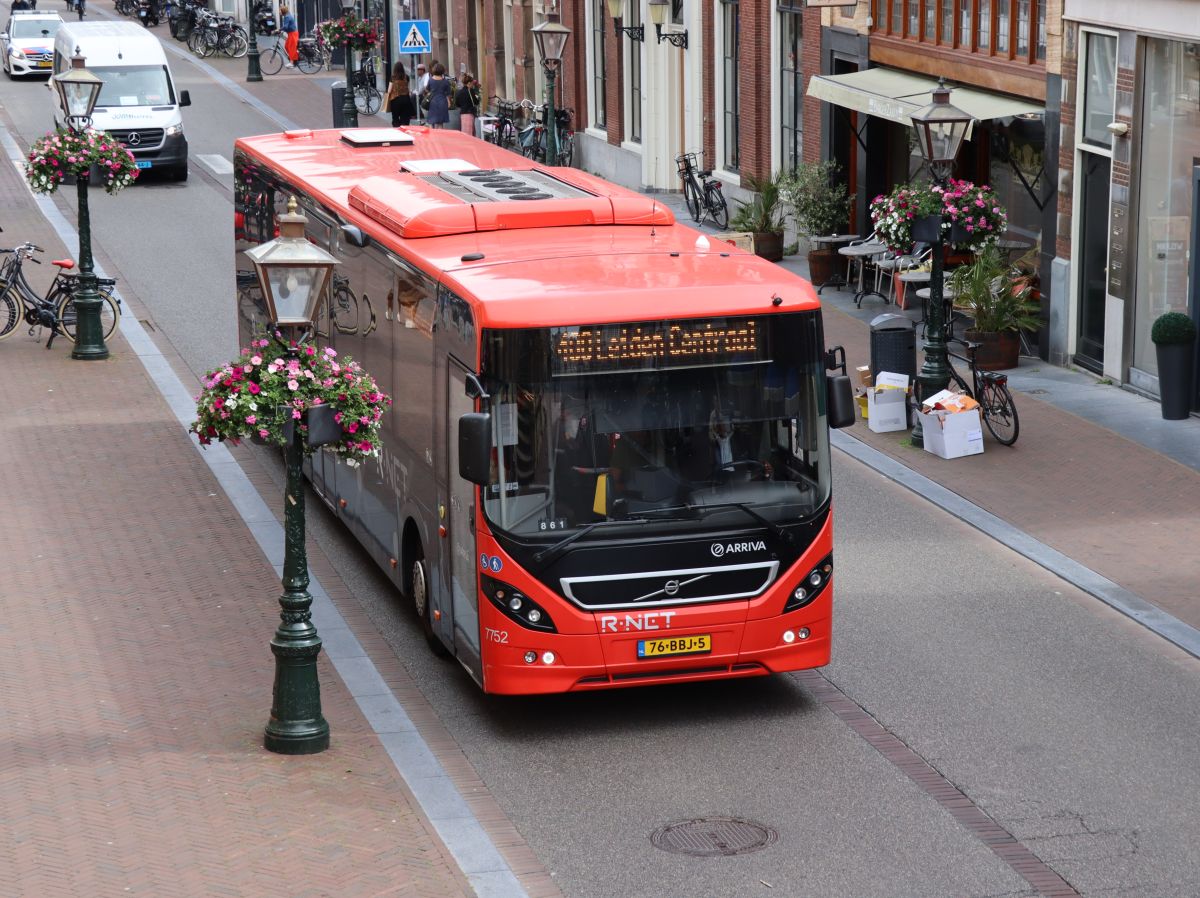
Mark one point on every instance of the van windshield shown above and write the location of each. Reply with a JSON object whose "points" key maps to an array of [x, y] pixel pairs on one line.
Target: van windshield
{"points": [[135, 85]]}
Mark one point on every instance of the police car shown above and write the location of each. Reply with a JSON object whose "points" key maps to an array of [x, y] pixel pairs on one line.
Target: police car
{"points": [[27, 43]]}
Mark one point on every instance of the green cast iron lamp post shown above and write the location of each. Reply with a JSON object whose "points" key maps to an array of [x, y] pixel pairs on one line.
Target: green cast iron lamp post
{"points": [[940, 129], [551, 37], [253, 65], [349, 110], [293, 275], [78, 89]]}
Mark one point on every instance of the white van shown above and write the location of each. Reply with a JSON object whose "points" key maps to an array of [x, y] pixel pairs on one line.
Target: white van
{"points": [[138, 104]]}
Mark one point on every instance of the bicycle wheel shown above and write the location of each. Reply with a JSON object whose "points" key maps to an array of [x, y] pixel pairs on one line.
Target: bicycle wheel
{"points": [[691, 196], [715, 198], [367, 100], [234, 45], [67, 319], [271, 63], [308, 62], [566, 148], [999, 412], [506, 134], [12, 310], [195, 40]]}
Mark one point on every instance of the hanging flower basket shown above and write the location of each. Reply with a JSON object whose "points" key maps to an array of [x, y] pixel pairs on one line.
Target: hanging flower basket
{"points": [[265, 392], [350, 31], [63, 152], [971, 216]]}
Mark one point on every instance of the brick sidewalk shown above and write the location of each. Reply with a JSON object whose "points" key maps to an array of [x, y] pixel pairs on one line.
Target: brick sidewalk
{"points": [[137, 672]]}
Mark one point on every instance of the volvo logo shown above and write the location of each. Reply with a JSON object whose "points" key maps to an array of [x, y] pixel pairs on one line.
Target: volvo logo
{"points": [[720, 549], [133, 140], [672, 587]]}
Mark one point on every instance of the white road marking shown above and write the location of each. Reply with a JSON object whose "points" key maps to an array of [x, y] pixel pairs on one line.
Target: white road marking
{"points": [[217, 164]]}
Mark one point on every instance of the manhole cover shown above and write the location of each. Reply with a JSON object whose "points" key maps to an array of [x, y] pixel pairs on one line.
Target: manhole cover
{"points": [[713, 836]]}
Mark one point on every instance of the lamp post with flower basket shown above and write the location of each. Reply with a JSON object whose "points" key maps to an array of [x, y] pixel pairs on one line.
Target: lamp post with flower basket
{"points": [[301, 400], [78, 89], [352, 33]]}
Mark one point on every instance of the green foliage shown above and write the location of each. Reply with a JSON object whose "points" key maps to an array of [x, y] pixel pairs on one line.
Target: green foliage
{"points": [[765, 212], [820, 203], [991, 293], [1172, 329]]}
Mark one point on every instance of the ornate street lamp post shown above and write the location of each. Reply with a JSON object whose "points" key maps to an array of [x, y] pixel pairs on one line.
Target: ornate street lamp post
{"points": [[253, 68], [293, 275], [940, 129], [349, 110], [551, 37], [78, 90]]}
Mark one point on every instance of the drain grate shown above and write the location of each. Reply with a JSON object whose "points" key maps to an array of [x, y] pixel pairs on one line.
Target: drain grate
{"points": [[713, 837]]}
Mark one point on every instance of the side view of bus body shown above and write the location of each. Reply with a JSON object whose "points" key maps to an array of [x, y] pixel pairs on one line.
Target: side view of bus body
{"points": [[607, 462]]}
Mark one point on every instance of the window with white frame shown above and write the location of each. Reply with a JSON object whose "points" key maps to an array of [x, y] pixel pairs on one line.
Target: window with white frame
{"points": [[791, 81], [598, 74], [730, 155]]}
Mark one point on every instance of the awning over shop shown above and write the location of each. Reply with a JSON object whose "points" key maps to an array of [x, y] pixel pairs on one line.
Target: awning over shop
{"points": [[895, 95]]}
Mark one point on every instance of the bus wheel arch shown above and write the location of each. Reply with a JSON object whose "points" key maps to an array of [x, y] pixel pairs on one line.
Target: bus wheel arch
{"points": [[415, 585]]}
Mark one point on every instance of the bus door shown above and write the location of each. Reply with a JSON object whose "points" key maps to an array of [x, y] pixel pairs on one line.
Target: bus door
{"points": [[457, 560]]}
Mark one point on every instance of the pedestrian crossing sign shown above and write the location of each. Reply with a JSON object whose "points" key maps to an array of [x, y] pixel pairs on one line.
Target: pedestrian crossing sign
{"points": [[413, 36]]}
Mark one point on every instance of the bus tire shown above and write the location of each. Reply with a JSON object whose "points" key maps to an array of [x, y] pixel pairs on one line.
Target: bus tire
{"points": [[419, 592]]}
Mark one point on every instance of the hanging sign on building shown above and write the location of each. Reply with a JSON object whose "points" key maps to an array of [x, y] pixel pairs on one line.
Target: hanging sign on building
{"points": [[412, 36]]}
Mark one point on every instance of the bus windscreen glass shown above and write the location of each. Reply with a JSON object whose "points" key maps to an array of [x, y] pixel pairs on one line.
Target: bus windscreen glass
{"points": [[692, 424]]}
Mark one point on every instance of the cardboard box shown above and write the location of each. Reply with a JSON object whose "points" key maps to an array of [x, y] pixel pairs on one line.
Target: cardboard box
{"points": [[887, 403], [864, 375], [951, 434], [740, 239]]}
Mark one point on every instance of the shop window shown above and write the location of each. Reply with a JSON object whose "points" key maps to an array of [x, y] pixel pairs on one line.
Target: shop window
{"points": [[731, 63], [984, 41], [1041, 30], [1170, 125], [964, 26], [1022, 28], [948, 22]]}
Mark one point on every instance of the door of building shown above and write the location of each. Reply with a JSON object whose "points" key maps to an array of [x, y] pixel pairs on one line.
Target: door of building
{"points": [[1093, 260]]}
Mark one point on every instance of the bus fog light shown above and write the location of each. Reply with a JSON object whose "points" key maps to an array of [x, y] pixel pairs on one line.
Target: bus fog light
{"points": [[801, 593], [534, 615], [789, 637], [815, 578], [548, 657], [515, 603], [530, 657], [803, 634]]}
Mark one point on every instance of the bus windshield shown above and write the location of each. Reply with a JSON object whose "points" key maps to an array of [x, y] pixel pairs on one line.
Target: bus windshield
{"points": [[690, 424]]}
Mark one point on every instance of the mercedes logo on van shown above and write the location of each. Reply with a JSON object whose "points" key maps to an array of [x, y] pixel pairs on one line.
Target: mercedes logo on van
{"points": [[134, 139]]}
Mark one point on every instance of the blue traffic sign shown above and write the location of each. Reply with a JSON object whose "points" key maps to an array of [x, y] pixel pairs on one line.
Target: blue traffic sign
{"points": [[413, 36]]}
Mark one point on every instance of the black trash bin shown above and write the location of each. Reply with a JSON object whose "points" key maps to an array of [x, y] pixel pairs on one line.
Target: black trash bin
{"points": [[893, 345], [339, 100]]}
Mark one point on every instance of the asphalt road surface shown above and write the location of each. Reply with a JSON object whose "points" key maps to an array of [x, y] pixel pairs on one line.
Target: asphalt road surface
{"points": [[1071, 727]]}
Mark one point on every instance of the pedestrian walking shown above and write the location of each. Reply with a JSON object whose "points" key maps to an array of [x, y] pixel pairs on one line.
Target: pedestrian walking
{"points": [[291, 44], [399, 99], [439, 90], [19, 5], [467, 102], [418, 87]]}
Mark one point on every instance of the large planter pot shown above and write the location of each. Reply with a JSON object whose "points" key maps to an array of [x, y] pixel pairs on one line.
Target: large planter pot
{"points": [[769, 245], [822, 265], [997, 351], [1175, 365]]}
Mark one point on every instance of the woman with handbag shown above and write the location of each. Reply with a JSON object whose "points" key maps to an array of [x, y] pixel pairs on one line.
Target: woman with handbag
{"points": [[399, 99], [439, 90]]}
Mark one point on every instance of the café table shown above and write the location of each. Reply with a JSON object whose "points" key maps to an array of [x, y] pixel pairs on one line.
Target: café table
{"points": [[834, 240], [862, 252]]}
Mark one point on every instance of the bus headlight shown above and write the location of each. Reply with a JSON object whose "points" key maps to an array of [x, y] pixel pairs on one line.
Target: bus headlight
{"points": [[516, 605], [811, 586]]}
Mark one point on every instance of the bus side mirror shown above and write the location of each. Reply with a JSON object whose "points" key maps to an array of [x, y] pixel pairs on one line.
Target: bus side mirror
{"points": [[475, 447], [839, 400]]}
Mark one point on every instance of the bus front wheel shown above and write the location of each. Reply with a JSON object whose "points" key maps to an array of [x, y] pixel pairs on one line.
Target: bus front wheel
{"points": [[419, 592]]}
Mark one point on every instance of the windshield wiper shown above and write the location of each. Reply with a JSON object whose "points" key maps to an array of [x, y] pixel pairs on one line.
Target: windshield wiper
{"points": [[748, 509], [557, 547]]}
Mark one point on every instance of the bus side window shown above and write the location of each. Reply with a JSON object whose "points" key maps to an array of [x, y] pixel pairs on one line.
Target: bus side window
{"points": [[412, 352]]}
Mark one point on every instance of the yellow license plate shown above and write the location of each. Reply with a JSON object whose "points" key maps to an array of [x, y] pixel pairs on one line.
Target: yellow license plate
{"points": [[674, 645]]}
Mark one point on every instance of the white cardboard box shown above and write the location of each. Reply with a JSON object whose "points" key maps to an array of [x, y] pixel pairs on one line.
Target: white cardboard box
{"points": [[952, 434], [887, 403]]}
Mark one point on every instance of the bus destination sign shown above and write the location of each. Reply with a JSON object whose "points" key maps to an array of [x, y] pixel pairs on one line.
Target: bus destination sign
{"points": [[655, 344]]}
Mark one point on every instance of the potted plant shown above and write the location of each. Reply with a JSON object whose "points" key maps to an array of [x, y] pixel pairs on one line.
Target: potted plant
{"points": [[820, 205], [271, 387], [763, 217], [970, 216], [1000, 308], [1174, 337]]}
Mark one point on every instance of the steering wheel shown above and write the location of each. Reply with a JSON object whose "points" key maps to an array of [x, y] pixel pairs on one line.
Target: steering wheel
{"points": [[754, 469]]}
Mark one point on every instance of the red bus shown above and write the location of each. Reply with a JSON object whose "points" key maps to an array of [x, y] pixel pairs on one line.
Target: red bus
{"points": [[607, 462]]}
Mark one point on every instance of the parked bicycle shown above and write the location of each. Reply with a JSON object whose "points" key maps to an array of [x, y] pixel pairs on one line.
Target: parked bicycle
{"points": [[533, 137], [990, 390], [54, 310], [503, 131], [367, 98], [702, 192]]}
